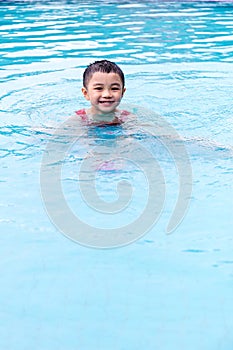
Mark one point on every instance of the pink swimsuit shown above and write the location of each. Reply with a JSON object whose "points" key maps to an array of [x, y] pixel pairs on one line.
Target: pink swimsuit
{"points": [[121, 119]]}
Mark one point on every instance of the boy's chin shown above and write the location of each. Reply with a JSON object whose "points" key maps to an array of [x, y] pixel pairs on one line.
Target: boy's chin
{"points": [[107, 108]]}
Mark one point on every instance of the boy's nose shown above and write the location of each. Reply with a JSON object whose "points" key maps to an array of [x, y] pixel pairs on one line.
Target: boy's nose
{"points": [[106, 93]]}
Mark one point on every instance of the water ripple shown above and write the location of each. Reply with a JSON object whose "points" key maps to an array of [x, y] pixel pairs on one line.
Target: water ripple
{"points": [[48, 30]]}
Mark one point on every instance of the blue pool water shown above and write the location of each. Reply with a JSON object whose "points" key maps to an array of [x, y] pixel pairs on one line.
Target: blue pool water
{"points": [[166, 292]]}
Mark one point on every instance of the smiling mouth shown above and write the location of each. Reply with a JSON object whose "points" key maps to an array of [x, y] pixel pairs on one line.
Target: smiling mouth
{"points": [[106, 102]]}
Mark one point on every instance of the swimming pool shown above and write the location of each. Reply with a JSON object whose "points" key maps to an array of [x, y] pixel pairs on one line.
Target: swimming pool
{"points": [[162, 291]]}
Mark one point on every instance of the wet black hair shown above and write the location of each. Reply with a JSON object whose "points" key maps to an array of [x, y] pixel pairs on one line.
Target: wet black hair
{"points": [[103, 66]]}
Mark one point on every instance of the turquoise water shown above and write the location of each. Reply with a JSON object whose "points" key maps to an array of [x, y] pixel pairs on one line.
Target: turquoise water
{"points": [[165, 292]]}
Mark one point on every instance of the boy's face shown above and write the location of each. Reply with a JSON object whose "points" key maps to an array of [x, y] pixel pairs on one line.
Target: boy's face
{"points": [[104, 91]]}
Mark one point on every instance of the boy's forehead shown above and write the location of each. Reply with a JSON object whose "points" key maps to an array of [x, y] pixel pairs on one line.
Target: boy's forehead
{"points": [[102, 77]]}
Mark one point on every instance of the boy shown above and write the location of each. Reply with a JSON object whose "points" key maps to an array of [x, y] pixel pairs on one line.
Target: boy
{"points": [[104, 87]]}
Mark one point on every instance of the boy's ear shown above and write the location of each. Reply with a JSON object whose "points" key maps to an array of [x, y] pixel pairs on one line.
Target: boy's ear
{"points": [[85, 93], [123, 91]]}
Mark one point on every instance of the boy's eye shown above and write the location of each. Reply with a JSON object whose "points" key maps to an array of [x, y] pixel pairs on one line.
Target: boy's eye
{"points": [[113, 88]]}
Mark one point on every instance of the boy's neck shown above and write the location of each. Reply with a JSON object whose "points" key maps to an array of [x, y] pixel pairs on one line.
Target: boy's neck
{"points": [[102, 116]]}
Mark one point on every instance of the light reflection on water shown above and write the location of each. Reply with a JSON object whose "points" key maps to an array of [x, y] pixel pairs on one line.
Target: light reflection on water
{"points": [[129, 31]]}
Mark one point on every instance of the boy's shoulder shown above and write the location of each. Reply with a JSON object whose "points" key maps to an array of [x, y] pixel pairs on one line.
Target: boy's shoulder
{"points": [[82, 114]]}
